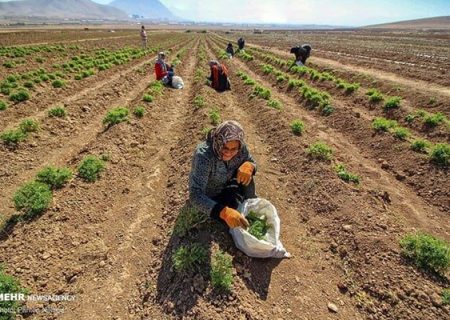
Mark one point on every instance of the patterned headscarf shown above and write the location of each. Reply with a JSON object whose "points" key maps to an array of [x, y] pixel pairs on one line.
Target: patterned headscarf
{"points": [[213, 62], [225, 132]]}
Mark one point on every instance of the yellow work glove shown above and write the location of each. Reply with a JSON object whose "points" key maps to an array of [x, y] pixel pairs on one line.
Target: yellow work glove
{"points": [[245, 173], [233, 218]]}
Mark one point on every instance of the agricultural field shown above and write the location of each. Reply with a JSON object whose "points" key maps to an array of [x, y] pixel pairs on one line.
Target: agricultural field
{"points": [[353, 151]]}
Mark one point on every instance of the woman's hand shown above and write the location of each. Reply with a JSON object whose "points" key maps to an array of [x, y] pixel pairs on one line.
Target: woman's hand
{"points": [[245, 173], [233, 218]]}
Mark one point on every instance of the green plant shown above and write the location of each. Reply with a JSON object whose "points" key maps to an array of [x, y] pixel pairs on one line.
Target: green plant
{"points": [[199, 101], [382, 124], [187, 219], [410, 117], [320, 150], [90, 168], [249, 82], [420, 145], [274, 104], [258, 225], [28, 84], [9, 64], [297, 127], [205, 130], [33, 198], [43, 77], [432, 120], [147, 98], [156, 88], [9, 285], [13, 137], [401, 133], [116, 116], [58, 83], [351, 87], [3, 105], [55, 178], [57, 112], [20, 95], [139, 111], [261, 92], [189, 258], [326, 110], [214, 116], [29, 125], [294, 83], [427, 251], [374, 95], [267, 68], [281, 78], [440, 154], [392, 103], [221, 271], [445, 295], [345, 175]]}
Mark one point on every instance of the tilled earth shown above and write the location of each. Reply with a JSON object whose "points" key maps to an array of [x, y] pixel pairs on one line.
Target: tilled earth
{"points": [[110, 243]]}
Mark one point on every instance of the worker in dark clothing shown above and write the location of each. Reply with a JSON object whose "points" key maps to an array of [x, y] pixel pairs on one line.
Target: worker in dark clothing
{"points": [[301, 54], [241, 44]]}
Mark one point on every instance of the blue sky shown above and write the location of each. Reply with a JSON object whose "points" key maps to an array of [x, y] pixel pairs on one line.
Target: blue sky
{"points": [[337, 12]]}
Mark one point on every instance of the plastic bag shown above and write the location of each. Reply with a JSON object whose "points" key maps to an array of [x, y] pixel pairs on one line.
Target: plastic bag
{"points": [[177, 82], [270, 246]]}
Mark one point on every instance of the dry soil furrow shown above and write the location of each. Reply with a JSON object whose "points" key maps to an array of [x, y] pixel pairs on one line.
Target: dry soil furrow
{"points": [[129, 237]]}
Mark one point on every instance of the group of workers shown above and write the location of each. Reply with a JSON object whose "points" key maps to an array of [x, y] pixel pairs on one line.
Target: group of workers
{"points": [[222, 169]]}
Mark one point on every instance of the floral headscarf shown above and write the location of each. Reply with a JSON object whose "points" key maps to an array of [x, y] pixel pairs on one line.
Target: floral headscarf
{"points": [[225, 132]]}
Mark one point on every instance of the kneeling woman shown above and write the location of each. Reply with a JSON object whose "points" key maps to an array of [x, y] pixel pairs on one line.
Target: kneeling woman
{"points": [[222, 174]]}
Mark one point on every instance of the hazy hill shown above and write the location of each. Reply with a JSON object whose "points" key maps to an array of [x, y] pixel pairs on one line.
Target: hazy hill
{"points": [[61, 9], [438, 23], [149, 9]]}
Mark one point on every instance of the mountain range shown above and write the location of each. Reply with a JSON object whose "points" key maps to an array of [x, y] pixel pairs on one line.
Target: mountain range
{"points": [[85, 9], [149, 9]]}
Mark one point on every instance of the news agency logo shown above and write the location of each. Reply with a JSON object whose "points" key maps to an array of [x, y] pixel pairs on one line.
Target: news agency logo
{"points": [[34, 297], [12, 297]]}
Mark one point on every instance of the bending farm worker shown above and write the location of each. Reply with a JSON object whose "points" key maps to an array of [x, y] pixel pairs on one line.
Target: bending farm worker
{"points": [[219, 76], [241, 43], [301, 54], [222, 173], [230, 50]]}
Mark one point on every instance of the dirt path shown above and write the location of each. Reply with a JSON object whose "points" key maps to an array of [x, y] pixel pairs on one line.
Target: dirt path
{"points": [[139, 217], [319, 288], [104, 229]]}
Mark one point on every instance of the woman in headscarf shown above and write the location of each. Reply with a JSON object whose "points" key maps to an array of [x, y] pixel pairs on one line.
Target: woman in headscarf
{"points": [[163, 70], [219, 76], [222, 174]]}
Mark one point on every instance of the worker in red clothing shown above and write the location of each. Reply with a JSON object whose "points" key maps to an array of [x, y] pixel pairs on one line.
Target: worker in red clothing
{"points": [[163, 70], [219, 76]]}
